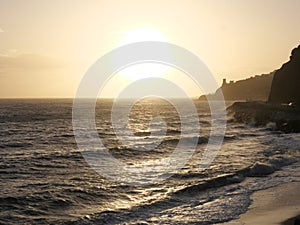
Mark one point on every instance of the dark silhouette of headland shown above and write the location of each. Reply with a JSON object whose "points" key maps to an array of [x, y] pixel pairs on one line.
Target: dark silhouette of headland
{"points": [[283, 105], [286, 82], [255, 88]]}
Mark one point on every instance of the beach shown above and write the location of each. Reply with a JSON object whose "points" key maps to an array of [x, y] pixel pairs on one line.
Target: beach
{"points": [[278, 205]]}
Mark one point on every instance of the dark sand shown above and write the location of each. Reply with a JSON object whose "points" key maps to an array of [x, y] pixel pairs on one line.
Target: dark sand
{"points": [[292, 221]]}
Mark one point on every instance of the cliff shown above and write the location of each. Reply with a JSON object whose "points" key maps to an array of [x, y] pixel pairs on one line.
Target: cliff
{"points": [[254, 88], [285, 89], [286, 83]]}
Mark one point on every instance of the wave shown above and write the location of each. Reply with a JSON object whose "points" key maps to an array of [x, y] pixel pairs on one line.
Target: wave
{"points": [[179, 196], [256, 170], [16, 145], [21, 202]]}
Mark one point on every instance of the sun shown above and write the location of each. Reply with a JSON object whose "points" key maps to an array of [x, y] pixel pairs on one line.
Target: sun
{"points": [[143, 70]]}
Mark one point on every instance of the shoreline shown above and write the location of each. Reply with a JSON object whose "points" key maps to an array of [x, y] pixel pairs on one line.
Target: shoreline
{"points": [[279, 205], [292, 221]]}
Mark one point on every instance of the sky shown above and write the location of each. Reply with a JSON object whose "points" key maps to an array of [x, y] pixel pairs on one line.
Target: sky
{"points": [[47, 46]]}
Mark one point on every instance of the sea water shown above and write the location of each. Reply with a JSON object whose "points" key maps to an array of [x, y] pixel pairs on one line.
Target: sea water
{"points": [[46, 180]]}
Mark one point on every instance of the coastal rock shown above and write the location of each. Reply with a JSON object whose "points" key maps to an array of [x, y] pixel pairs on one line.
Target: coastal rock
{"points": [[286, 118], [261, 169], [286, 82]]}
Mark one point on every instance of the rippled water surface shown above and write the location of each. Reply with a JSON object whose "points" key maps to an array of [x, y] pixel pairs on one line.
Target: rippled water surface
{"points": [[45, 179]]}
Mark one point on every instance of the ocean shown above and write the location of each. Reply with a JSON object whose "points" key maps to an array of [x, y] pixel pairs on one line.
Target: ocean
{"points": [[46, 180]]}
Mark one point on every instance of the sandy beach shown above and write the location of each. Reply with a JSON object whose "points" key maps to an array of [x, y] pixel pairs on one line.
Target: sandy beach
{"points": [[279, 205]]}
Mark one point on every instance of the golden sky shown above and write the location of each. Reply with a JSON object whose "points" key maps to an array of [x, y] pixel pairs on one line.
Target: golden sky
{"points": [[47, 46]]}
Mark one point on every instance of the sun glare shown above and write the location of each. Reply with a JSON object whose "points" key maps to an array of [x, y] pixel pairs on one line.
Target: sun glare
{"points": [[143, 70]]}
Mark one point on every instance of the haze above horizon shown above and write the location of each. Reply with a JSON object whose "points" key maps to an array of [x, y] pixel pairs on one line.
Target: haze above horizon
{"points": [[47, 46]]}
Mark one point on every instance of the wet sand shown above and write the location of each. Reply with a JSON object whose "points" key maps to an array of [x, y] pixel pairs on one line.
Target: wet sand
{"points": [[279, 205]]}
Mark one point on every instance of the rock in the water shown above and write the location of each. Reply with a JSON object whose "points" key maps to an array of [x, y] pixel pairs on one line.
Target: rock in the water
{"points": [[261, 169]]}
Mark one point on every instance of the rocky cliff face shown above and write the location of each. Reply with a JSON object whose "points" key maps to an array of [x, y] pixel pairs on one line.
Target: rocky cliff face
{"points": [[286, 82]]}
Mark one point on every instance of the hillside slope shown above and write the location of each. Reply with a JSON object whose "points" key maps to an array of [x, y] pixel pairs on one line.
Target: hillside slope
{"points": [[254, 88]]}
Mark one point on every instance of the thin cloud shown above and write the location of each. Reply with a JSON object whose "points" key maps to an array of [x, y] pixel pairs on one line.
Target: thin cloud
{"points": [[26, 61], [1, 31]]}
